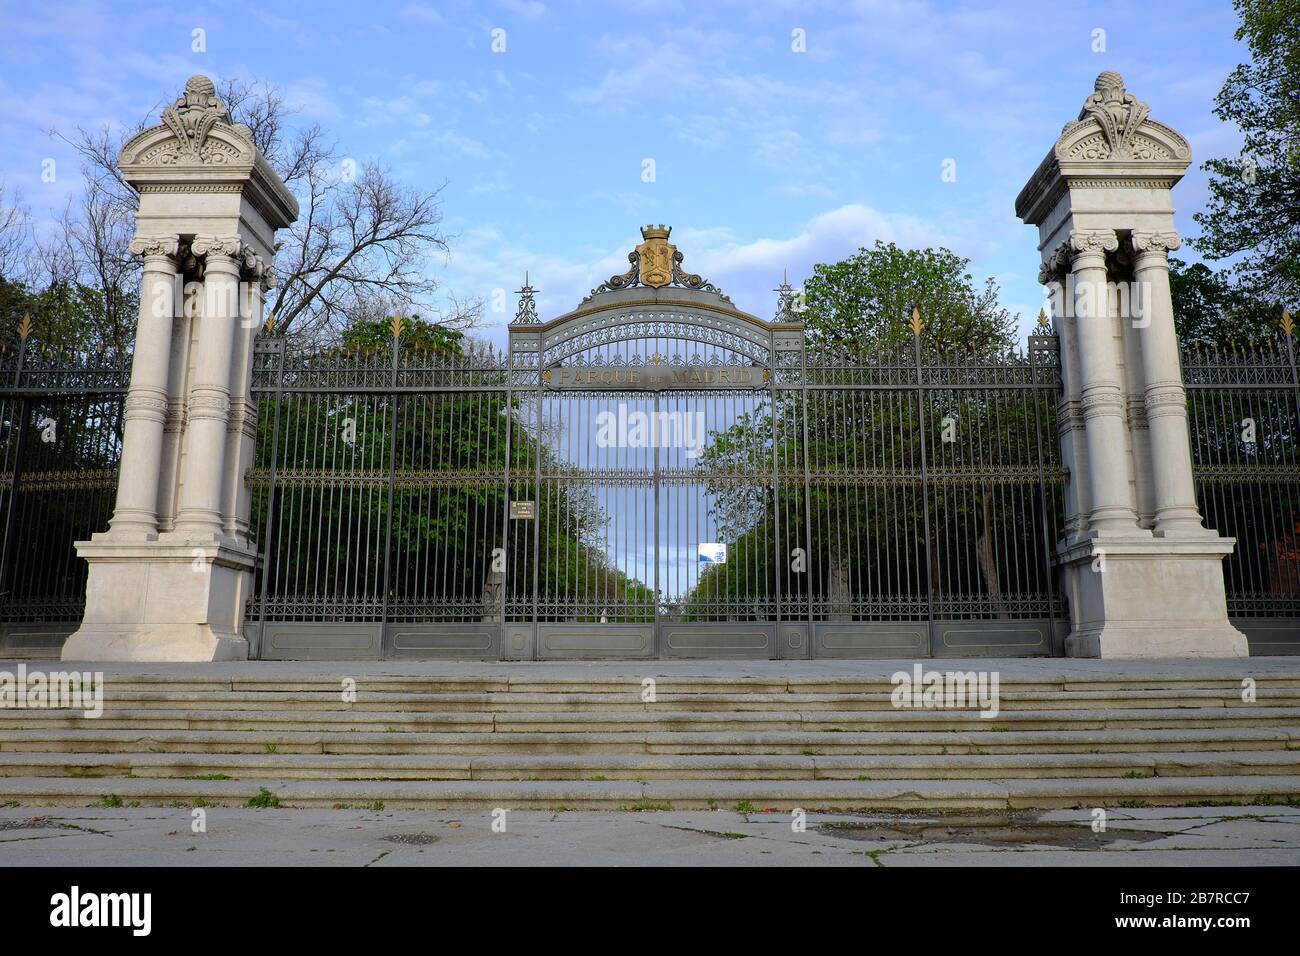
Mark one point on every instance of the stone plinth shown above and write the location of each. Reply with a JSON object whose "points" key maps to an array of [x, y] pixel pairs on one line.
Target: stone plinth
{"points": [[153, 601], [1139, 596]]}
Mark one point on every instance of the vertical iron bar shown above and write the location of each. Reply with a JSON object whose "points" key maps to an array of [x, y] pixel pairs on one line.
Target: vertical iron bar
{"points": [[393, 399], [271, 526], [1042, 495], [925, 492]]}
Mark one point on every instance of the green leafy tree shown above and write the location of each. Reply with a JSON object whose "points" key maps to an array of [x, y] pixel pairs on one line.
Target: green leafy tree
{"points": [[866, 534], [1211, 309], [1254, 206], [861, 305]]}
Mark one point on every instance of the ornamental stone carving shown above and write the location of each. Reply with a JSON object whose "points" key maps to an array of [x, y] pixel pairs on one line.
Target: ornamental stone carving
{"points": [[1166, 400], [230, 247], [191, 119], [1096, 241], [1098, 402], [1157, 242], [156, 246], [1118, 112], [1123, 128]]}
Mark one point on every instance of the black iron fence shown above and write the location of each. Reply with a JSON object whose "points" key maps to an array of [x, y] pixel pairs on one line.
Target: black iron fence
{"points": [[60, 441], [414, 503], [410, 503], [1244, 410]]}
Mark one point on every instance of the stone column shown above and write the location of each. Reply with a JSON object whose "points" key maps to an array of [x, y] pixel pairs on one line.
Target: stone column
{"points": [[241, 429], [136, 511], [1102, 397], [1166, 399], [200, 514]]}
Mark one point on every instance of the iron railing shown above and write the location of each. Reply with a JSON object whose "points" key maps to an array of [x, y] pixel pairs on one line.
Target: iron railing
{"points": [[410, 490], [60, 441], [1244, 411]]}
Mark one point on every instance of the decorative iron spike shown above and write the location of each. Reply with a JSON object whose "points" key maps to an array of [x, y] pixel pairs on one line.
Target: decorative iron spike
{"points": [[25, 326], [526, 313], [395, 324], [1287, 324], [916, 320]]}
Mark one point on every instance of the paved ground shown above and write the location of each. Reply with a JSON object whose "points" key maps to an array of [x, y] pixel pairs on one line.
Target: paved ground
{"points": [[1238, 836]]}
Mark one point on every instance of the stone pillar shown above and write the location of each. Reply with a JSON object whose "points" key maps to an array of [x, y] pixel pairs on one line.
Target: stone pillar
{"points": [[200, 514], [168, 580], [1166, 400], [1101, 394], [241, 429], [1132, 590], [136, 511]]}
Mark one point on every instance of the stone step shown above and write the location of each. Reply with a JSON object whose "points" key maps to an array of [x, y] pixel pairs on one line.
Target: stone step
{"points": [[648, 767], [758, 795], [629, 700], [1229, 681], [1213, 738], [655, 720]]}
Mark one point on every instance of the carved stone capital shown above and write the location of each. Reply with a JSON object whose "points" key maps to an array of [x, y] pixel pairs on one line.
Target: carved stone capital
{"points": [[228, 247], [168, 246], [1156, 243], [1055, 265], [1092, 241]]}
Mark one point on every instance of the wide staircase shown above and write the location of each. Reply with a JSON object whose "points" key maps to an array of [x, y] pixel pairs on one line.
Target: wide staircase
{"points": [[529, 738]]}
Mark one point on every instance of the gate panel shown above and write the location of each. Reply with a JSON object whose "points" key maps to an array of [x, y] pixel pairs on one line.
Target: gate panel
{"points": [[596, 525], [1244, 419], [985, 479], [653, 487], [448, 512], [59, 454], [717, 520], [868, 568], [320, 504]]}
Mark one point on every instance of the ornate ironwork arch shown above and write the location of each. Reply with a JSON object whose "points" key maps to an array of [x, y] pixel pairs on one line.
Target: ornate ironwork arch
{"points": [[655, 299], [682, 323]]}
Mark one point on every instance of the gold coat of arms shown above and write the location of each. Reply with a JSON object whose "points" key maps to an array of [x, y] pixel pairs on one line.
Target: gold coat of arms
{"points": [[656, 255]]}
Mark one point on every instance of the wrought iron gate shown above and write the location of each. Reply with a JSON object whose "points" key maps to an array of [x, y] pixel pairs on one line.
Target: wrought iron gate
{"points": [[655, 474]]}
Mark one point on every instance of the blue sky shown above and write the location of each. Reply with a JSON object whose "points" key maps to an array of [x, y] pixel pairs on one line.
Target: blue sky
{"points": [[765, 158]]}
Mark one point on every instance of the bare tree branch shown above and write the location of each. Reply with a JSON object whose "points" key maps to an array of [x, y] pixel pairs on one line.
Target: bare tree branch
{"points": [[362, 240]]}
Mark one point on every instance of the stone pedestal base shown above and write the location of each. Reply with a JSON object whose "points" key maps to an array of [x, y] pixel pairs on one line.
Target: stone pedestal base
{"points": [[1149, 597], [166, 600]]}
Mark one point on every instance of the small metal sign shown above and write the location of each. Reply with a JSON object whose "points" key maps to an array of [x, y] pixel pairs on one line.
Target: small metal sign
{"points": [[523, 509], [712, 553]]}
